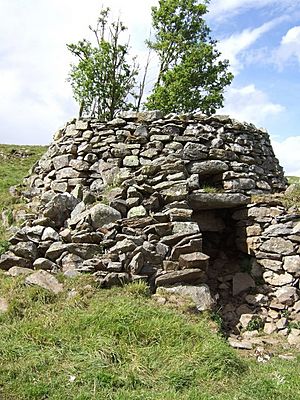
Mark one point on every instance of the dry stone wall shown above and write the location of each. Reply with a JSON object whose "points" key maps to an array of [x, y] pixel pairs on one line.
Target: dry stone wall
{"points": [[205, 151], [165, 200]]}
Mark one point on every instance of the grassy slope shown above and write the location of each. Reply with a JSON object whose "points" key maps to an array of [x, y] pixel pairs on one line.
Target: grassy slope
{"points": [[12, 172], [118, 344], [294, 179]]}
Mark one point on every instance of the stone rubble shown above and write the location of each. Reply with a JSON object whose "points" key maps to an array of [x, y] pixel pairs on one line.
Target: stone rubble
{"points": [[165, 200]]}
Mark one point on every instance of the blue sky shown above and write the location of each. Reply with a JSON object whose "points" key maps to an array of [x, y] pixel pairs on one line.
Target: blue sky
{"points": [[261, 39]]}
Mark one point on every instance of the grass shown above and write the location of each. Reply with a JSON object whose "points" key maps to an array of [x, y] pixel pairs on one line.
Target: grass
{"points": [[293, 179], [13, 169], [290, 199], [118, 344]]}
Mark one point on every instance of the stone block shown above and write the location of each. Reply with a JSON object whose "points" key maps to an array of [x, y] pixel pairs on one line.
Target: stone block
{"points": [[194, 260]]}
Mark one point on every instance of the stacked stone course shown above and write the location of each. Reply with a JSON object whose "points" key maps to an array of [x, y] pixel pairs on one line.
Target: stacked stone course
{"points": [[141, 198]]}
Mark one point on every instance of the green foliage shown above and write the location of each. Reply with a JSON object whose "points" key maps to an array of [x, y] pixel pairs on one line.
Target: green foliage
{"points": [[4, 245], [138, 289], [210, 189], [191, 75], [256, 324], [103, 77]]}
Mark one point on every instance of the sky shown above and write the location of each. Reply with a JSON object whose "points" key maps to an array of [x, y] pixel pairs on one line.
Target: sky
{"points": [[260, 38]]}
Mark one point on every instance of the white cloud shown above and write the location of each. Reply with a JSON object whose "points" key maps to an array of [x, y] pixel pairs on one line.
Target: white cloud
{"points": [[289, 48], [250, 104], [288, 153], [233, 47], [222, 9], [34, 60]]}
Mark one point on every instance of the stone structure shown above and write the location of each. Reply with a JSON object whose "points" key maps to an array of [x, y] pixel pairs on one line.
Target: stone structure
{"points": [[166, 200]]}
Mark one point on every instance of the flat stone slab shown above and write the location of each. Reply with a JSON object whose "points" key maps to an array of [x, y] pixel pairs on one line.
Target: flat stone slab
{"points": [[200, 295], [16, 271], [238, 344], [194, 260], [207, 201], [44, 280], [8, 260], [184, 276]]}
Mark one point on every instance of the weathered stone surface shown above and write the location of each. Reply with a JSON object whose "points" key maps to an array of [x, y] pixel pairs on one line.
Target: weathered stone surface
{"points": [[45, 264], [194, 151], [114, 266], [269, 328], [50, 234], [294, 338], [279, 229], [273, 265], [56, 249], [131, 161], [44, 280], [71, 262], [80, 165], [124, 246], [81, 125], [256, 300], [136, 263], [245, 319], [291, 264], [253, 230], [8, 260], [16, 271], [200, 295], [136, 212], [115, 279], [187, 228], [59, 186], [277, 279], [27, 250], [68, 173], [210, 167], [206, 201], [241, 282], [59, 208], [263, 214], [287, 295], [61, 161], [240, 344], [236, 185], [278, 245], [83, 250], [170, 265], [187, 245], [102, 214], [184, 276], [149, 116], [4, 306], [194, 260], [176, 192]]}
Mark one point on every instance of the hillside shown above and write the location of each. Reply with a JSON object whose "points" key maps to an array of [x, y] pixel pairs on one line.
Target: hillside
{"points": [[91, 343], [15, 162]]}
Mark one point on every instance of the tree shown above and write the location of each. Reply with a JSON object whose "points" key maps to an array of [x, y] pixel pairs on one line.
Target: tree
{"points": [[104, 76], [191, 74]]}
